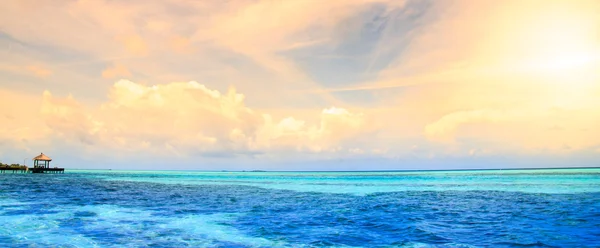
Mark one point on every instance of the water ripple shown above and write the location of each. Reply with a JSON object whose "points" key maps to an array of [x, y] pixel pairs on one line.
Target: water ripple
{"points": [[93, 210]]}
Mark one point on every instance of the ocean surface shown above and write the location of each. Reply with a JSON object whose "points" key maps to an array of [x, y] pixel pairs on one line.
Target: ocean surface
{"points": [[487, 208]]}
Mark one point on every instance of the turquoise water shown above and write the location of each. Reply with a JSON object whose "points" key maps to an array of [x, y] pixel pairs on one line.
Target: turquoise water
{"points": [[488, 208]]}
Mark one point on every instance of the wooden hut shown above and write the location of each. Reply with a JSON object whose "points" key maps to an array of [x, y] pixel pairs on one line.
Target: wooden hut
{"points": [[41, 164], [41, 161]]}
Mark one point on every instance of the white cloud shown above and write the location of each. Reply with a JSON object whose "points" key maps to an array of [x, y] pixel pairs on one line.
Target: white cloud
{"points": [[189, 118], [67, 118]]}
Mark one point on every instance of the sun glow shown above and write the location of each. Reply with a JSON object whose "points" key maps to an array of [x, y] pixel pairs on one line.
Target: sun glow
{"points": [[561, 42], [564, 49]]}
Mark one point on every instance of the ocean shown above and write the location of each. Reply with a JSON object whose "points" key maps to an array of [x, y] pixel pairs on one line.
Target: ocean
{"points": [[477, 208]]}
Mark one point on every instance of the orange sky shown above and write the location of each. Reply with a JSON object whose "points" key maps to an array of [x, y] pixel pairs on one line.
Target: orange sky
{"points": [[301, 84]]}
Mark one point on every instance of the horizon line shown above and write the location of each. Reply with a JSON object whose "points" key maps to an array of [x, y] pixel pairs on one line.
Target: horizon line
{"points": [[404, 170]]}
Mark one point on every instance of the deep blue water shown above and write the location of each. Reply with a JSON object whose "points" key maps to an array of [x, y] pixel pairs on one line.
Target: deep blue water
{"points": [[550, 208]]}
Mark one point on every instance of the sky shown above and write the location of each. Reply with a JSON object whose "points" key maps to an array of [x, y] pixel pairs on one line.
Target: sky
{"points": [[300, 84]]}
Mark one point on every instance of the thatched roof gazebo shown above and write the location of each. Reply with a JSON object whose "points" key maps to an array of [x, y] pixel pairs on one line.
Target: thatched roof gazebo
{"points": [[41, 161]]}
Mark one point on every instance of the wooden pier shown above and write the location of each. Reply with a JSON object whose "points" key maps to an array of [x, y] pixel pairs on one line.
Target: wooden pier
{"points": [[3, 169], [41, 164], [32, 170], [47, 170]]}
